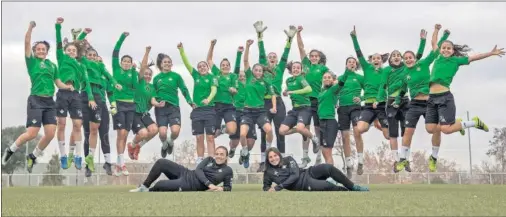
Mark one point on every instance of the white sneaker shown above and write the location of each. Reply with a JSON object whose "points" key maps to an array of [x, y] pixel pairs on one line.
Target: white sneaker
{"points": [[141, 188]]}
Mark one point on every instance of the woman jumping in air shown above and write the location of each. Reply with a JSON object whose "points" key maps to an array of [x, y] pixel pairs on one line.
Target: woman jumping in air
{"points": [[417, 76], [285, 172], [300, 116], [390, 88], [275, 71], [327, 101], [96, 121], [208, 174], [239, 99], [143, 125], [71, 72], [314, 68], [166, 84], [254, 113], [127, 77], [40, 106], [203, 115], [348, 112], [441, 104], [224, 95]]}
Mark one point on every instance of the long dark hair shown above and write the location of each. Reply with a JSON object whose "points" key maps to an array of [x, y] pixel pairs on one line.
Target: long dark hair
{"points": [[323, 57], [356, 61], [290, 64], [459, 50], [275, 150], [384, 57], [160, 58]]}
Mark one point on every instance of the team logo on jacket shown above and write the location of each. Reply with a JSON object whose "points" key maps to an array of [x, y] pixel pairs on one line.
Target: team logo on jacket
{"points": [[35, 121], [209, 165], [207, 80], [42, 65], [220, 171], [276, 173], [418, 68], [408, 77]]}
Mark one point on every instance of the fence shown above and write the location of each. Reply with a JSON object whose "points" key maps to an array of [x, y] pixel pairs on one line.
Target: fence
{"points": [[79, 179]]}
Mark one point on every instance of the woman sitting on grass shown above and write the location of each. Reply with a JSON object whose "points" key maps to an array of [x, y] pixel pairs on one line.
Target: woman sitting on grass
{"points": [[209, 173], [285, 172]]}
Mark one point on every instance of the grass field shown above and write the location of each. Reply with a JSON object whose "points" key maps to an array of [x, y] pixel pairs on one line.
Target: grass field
{"points": [[247, 200]]}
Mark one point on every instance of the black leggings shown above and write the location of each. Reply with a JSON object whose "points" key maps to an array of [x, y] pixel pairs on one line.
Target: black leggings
{"points": [[103, 130], [396, 117], [277, 119], [174, 172], [317, 176]]}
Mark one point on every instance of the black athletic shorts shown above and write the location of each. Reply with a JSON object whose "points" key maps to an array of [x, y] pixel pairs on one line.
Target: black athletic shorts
{"points": [[40, 110], [416, 108], [168, 115], [298, 115], [348, 115], [89, 114], [369, 114], [68, 101], [441, 109], [314, 111], [224, 112], [203, 120], [252, 116], [141, 121], [252, 134], [328, 128], [124, 119]]}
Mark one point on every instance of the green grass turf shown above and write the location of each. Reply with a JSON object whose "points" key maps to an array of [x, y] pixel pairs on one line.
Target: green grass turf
{"points": [[248, 200]]}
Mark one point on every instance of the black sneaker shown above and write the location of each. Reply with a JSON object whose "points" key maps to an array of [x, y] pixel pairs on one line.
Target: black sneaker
{"points": [[261, 168], [170, 147], [407, 167], [164, 149], [87, 172], [360, 169], [231, 153], [7, 155], [245, 162], [107, 168], [30, 162]]}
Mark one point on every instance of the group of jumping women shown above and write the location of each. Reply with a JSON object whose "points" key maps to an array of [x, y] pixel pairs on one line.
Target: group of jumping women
{"points": [[242, 99]]}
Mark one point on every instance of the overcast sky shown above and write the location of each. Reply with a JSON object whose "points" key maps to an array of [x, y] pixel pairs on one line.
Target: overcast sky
{"points": [[381, 27]]}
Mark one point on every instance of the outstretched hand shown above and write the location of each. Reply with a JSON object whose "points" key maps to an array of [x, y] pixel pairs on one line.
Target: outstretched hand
{"points": [[259, 26], [300, 28], [59, 20], [180, 45], [213, 42], [249, 42], [240, 49], [32, 24], [498, 52], [438, 26], [292, 30], [126, 34], [87, 30]]}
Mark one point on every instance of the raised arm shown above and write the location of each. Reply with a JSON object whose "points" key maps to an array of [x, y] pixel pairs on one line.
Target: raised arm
{"points": [[144, 63], [300, 43], [495, 52], [115, 54], [360, 55], [260, 28], [435, 34], [185, 58], [421, 47], [338, 85], [290, 33], [28, 40], [237, 67], [210, 62], [294, 175], [59, 43], [246, 54], [446, 34]]}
